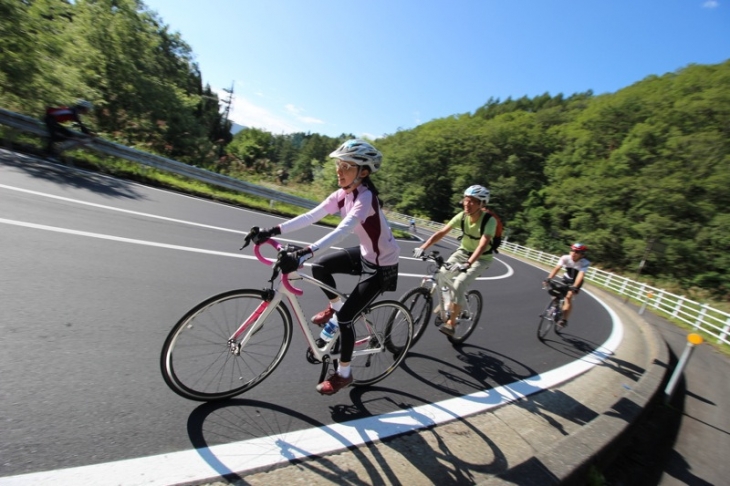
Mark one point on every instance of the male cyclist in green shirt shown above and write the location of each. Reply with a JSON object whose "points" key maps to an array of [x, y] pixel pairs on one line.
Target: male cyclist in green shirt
{"points": [[474, 255]]}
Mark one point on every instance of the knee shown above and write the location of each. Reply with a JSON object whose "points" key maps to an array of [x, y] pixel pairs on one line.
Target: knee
{"points": [[318, 271]]}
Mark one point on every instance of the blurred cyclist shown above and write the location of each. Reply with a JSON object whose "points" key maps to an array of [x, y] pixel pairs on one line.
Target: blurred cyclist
{"points": [[576, 267], [55, 118]]}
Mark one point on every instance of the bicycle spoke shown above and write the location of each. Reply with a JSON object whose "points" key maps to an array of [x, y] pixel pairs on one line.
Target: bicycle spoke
{"points": [[198, 361], [420, 304], [469, 318], [383, 337]]}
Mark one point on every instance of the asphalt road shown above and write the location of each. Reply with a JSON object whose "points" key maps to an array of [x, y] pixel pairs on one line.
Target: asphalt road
{"points": [[95, 272]]}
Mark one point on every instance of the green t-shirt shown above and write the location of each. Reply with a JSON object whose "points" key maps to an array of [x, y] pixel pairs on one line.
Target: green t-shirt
{"points": [[473, 229]]}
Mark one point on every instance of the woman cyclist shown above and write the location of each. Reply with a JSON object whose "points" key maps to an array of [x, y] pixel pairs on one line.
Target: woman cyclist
{"points": [[375, 260], [474, 255], [576, 267]]}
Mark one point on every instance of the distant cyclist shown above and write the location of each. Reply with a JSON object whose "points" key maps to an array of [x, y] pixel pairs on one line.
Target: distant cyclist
{"points": [[474, 255], [576, 266], [55, 119]]}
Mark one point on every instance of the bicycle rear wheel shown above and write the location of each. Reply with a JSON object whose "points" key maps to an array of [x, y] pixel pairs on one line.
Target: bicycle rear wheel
{"points": [[200, 364], [546, 321], [420, 303], [469, 318], [382, 338]]}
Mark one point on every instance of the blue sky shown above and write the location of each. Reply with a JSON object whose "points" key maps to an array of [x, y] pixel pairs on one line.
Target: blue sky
{"points": [[374, 67]]}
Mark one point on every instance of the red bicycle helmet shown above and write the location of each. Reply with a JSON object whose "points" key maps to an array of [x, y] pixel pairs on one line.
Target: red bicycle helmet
{"points": [[579, 247]]}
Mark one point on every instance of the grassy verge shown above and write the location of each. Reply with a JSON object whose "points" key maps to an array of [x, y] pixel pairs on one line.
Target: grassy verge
{"points": [[147, 175]]}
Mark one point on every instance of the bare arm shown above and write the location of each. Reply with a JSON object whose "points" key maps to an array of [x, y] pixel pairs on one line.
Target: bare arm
{"points": [[437, 236], [483, 244], [554, 271]]}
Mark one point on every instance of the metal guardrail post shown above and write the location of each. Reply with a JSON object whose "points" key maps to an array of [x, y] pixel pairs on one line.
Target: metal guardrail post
{"points": [[692, 341]]}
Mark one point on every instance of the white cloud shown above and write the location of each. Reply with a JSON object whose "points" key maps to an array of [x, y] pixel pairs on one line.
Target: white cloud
{"points": [[259, 113], [296, 112], [245, 112], [711, 4]]}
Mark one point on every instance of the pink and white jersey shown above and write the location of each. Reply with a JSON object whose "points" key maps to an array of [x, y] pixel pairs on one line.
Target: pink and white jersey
{"points": [[361, 214]]}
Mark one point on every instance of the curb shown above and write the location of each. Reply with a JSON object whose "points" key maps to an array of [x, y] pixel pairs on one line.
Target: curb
{"points": [[598, 442]]}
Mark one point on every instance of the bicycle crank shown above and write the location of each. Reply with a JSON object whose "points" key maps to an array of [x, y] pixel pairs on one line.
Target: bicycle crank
{"points": [[311, 358]]}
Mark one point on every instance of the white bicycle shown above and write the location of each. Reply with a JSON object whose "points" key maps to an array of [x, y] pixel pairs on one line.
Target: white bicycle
{"points": [[231, 342]]}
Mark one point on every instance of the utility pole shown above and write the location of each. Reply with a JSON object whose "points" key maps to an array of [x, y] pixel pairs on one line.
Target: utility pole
{"points": [[227, 110]]}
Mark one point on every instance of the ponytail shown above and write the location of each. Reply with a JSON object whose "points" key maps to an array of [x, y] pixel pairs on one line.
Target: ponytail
{"points": [[367, 182]]}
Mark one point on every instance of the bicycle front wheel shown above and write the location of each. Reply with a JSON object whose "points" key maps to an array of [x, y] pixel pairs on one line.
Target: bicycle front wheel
{"points": [[546, 321], [199, 363], [382, 338], [420, 303], [469, 317]]}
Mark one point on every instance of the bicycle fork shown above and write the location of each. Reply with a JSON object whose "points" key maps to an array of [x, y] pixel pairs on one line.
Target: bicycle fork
{"points": [[253, 324]]}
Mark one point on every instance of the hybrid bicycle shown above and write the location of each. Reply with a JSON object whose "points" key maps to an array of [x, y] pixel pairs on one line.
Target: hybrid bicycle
{"points": [[231, 342], [420, 301], [554, 310]]}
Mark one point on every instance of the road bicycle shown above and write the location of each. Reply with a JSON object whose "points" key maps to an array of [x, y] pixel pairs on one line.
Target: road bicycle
{"points": [[420, 301], [231, 342], [77, 140], [554, 310]]}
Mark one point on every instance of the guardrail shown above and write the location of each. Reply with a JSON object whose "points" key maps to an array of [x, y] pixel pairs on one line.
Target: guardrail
{"points": [[31, 125], [701, 317]]}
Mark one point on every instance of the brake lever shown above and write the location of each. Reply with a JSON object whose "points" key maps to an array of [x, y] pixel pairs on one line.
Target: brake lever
{"points": [[245, 243], [275, 273], [251, 233]]}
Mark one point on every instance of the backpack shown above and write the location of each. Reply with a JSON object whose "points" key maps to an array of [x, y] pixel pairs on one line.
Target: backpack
{"points": [[496, 241]]}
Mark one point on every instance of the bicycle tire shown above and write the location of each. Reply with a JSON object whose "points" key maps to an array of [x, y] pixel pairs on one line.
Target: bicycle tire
{"points": [[466, 325], [387, 326], [197, 361], [420, 304], [546, 321]]}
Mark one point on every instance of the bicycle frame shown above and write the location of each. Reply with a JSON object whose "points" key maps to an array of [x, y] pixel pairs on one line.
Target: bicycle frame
{"points": [[432, 283], [285, 289]]}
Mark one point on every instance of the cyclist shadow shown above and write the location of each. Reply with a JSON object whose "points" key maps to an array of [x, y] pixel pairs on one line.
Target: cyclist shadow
{"points": [[581, 348], [38, 168], [432, 451], [270, 432], [274, 436], [485, 370]]}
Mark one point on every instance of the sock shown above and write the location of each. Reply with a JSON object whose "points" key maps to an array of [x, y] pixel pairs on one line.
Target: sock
{"points": [[343, 371], [337, 305]]}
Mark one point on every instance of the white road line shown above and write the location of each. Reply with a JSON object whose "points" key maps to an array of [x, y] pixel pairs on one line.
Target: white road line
{"points": [[120, 239], [112, 208], [509, 271]]}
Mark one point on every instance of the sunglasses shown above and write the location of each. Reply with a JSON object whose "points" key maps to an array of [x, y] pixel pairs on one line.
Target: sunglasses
{"points": [[344, 166]]}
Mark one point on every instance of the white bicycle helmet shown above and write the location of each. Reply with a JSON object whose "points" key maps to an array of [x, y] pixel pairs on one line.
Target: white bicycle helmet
{"points": [[479, 192], [84, 104], [361, 153]]}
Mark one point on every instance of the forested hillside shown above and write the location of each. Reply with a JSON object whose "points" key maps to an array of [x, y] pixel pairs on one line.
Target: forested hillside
{"points": [[647, 165], [146, 89]]}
